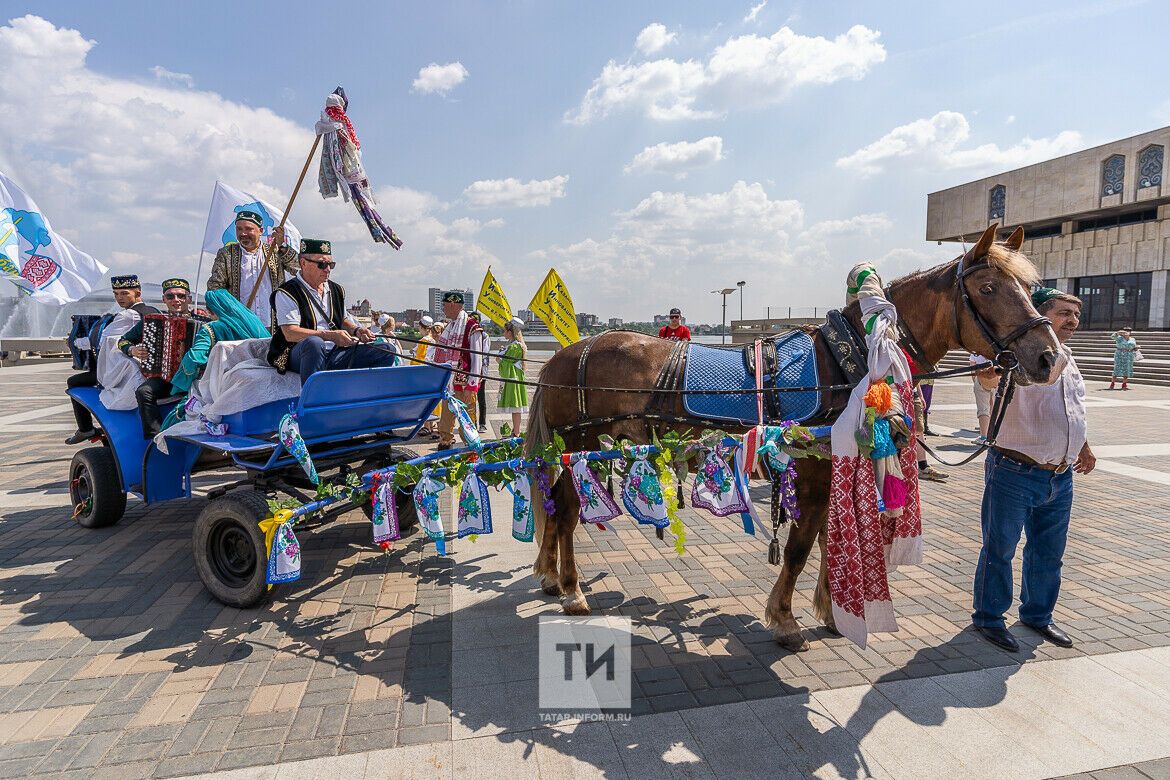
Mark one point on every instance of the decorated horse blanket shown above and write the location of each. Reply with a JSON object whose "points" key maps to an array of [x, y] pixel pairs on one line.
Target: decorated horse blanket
{"points": [[715, 368]]}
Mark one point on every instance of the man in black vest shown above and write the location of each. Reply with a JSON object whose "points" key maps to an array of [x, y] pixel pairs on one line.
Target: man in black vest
{"points": [[314, 332]]}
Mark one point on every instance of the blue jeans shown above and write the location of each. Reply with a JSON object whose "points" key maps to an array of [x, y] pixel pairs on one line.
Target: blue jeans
{"points": [[1016, 497], [313, 354]]}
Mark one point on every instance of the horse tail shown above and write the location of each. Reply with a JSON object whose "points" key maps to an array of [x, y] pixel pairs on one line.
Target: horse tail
{"points": [[537, 434]]}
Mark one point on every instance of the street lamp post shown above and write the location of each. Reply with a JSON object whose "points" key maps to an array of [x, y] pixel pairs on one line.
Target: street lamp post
{"points": [[740, 285], [723, 325]]}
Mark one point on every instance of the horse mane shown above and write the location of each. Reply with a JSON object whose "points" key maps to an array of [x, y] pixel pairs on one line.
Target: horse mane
{"points": [[1014, 264]]}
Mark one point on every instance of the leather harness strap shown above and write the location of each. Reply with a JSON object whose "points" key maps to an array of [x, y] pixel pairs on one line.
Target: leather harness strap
{"points": [[669, 380]]}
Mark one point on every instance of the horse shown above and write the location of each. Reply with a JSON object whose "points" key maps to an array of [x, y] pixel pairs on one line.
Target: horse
{"points": [[969, 303]]}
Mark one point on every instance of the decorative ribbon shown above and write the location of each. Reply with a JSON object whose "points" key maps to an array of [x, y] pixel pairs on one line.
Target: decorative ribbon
{"points": [[669, 482], [597, 506], [523, 521], [716, 488], [426, 501], [470, 432], [642, 491], [290, 437], [386, 528], [750, 518], [475, 510]]}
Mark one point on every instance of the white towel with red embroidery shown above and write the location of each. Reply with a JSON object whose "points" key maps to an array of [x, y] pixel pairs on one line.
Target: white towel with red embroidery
{"points": [[862, 545]]}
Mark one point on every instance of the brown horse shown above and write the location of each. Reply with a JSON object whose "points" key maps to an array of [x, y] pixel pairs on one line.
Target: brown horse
{"points": [[926, 301]]}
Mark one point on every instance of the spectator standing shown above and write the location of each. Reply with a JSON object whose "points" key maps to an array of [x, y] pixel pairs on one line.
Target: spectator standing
{"points": [[1029, 487], [481, 394], [982, 396], [513, 395], [675, 331], [1124, 353]]}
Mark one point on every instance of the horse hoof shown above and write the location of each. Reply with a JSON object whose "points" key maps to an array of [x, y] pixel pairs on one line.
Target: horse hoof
{"points": [[550, 586], [793, 643], [576, 606]]}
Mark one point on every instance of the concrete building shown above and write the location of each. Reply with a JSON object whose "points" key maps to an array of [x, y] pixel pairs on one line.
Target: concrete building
{"points": [[435, 301], [1097, 224], [615, 322]]}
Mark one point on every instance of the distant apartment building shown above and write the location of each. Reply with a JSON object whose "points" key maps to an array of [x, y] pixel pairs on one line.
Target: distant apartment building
{"points": [[615, 322], [587, 320], [435, 300], [526, 316], [1096, 224]]}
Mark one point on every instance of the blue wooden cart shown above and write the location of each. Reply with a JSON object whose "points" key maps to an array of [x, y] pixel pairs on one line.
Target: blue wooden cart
{"points": [[349, 420]]}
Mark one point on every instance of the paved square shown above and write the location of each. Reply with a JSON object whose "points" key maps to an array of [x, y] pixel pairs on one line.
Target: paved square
{"points": [[114, 660]]}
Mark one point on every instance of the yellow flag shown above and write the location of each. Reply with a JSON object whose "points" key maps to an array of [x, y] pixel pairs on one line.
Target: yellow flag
{"points": [[492, 301], [553, 305]]}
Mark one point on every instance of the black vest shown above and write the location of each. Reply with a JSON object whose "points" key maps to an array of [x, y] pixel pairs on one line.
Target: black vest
{"points": [[280, 348]]}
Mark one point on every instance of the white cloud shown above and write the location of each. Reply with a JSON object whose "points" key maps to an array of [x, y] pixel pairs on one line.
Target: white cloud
{"points": [[746, 71], [125, 170], [439, 78], [513, 193], [866, 225], [934, 143], [677, 158], [162, 74], [653, 38], [752, 14]]}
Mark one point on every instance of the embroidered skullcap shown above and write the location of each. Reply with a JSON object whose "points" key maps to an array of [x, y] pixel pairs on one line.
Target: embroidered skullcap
{"points": [[182, 284], [427, 321], [250, 216], [1042, 295], [315, 246], [383, 319], [453, 297], [127, 282]]}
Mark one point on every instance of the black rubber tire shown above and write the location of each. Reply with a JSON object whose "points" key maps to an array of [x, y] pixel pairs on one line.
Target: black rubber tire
{"points": [[229, 550], [93, 474]]}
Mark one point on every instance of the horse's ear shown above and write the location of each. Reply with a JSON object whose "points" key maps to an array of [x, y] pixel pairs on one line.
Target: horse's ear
{"points": [[984, 244], [1015, 240]]}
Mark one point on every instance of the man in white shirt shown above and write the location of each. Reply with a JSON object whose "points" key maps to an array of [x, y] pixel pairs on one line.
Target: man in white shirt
{"points": [[237, 267], [315, 332], [1029, 487]]}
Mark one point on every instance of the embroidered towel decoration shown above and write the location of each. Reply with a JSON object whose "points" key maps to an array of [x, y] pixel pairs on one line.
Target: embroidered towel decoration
{"points": [[290, 437], [426, 502], [523, 521], [715, 487], [642, 491], [470, 432], [596, 504], [284, 559], [475, 512], [385, 513]]}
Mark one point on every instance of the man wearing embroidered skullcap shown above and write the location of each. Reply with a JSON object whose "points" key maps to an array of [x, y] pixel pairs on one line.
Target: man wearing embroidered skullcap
{"points": [[128, 294], [315, 333], [459, 346], [250, 269], [1029, 487]]}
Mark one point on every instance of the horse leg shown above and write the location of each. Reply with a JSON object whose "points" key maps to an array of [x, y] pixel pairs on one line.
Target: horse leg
{"points": [[545, 568], [778, 614], [822, 601], [568, 513]]}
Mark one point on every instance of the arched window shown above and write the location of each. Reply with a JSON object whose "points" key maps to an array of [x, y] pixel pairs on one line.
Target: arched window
{"points": [[1113, 175], [1149, 167], [997, 202]]}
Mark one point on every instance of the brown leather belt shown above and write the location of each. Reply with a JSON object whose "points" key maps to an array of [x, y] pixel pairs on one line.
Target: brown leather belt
{"points": [[1058, 468]]}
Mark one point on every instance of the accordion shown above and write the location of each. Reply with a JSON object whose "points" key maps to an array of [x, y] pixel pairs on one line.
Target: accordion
{"points": [[166, 338], [80, 329]]}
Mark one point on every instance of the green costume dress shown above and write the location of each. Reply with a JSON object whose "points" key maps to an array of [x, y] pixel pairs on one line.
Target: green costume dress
{"points": [[513, 396], [1123, 356]]}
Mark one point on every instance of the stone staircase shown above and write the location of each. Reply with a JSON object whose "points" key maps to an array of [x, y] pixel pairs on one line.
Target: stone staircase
{"points": [[1094, 354]]}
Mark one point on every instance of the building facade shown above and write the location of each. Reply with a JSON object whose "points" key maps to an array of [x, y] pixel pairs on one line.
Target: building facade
{"points": [[435, 301], [1096, 224]]}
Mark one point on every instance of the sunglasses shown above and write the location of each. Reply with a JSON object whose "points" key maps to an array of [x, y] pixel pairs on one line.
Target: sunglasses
{"points": [[675, 316], [175, 296], [324, 265]]}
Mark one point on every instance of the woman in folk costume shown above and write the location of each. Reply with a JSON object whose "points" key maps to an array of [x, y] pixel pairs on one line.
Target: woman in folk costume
{"points": [[1125, 351], [459, 346], [232, 322], [513, 395]]}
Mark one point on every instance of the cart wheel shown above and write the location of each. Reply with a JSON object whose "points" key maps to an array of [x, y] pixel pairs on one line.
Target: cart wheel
{"points": [[228, 545], [404, 502], [95, 490]]}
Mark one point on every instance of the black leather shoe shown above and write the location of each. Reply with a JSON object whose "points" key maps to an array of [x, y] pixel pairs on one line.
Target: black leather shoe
{"points": [[80, 436], [1000, 637], [1052, 634]]}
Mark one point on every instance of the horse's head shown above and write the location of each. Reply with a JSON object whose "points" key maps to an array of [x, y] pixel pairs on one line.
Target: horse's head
{"points": [[996, 281]]}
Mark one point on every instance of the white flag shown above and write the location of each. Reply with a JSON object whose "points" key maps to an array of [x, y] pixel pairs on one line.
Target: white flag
{"points": [[40, 262], [226, 202]]}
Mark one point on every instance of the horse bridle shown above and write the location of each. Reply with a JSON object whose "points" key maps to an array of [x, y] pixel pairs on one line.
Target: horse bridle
{"points": [[1005, 358]]}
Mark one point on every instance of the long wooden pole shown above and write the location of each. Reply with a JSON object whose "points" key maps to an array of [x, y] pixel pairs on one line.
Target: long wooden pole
{"points": [[271, 250]]}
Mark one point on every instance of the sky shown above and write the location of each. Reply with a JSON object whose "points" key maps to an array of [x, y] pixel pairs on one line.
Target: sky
{"points": [[651, 152]]}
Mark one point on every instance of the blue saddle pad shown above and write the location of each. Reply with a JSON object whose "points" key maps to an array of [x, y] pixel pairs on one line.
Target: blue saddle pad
{"points": [[715, 368]]}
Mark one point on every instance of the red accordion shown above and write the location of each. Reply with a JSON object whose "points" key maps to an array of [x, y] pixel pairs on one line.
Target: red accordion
{"points": [[166, 338]]}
